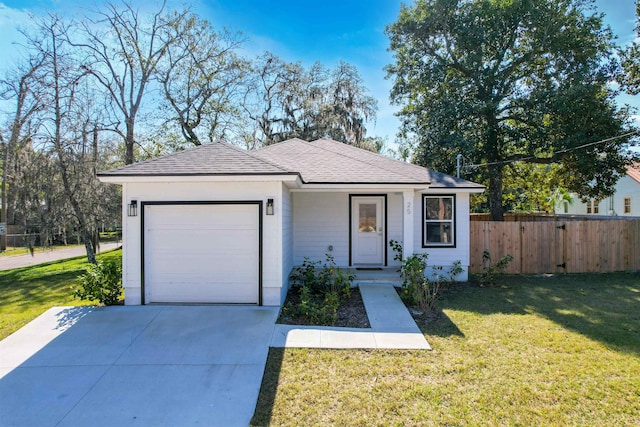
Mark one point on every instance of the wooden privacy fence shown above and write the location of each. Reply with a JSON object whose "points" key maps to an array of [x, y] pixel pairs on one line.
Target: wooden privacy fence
{"points": [[558, 246]]}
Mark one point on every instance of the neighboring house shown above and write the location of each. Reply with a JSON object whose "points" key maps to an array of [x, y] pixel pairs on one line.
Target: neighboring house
{"points": [[218, 224], [624, 202]]}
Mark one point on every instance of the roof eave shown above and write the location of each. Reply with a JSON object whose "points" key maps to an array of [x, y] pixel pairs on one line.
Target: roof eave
{"points": [[361, 186], [200, 177]]}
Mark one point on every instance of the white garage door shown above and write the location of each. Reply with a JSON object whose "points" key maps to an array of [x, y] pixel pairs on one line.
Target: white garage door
{"points": [[201, 253]]}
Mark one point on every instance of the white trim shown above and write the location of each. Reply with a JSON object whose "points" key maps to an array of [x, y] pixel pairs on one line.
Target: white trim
{"points": [[345, 188], [449, 190], [197, 178], [408, 208], [375, 239], [425, 221]]}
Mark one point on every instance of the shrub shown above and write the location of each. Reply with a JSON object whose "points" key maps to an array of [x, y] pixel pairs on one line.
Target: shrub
{"points": [[397, 249], [321, 289], [490, 271], [417, 289], [328, 278], [101, 282]]}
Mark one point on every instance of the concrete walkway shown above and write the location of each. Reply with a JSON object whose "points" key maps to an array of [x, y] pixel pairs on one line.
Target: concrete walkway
{"points": [[25, 260], [392, 327]]}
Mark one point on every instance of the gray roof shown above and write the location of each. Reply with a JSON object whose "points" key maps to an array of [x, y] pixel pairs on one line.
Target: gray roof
{"points": [[218, 158], [319, 162]]}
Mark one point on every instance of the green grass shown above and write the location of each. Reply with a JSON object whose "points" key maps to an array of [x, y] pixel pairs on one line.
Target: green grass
{"points": [[27, 292], [554, 351]]}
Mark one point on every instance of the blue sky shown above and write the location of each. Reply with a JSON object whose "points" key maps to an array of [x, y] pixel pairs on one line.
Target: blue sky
{"points": [[327, 31]]}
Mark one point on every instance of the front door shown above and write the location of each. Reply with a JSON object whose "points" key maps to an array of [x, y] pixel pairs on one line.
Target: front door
{"points": [[367, 230]]}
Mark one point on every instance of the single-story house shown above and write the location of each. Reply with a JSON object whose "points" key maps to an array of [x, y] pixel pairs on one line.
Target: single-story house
{"points": [[625, 201], [219, 224]]}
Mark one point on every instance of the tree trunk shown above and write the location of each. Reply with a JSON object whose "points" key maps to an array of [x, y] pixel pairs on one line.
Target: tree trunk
{"points": [[77, 209], [495, 193], [128, 143], [3, 215], [495, 168]]}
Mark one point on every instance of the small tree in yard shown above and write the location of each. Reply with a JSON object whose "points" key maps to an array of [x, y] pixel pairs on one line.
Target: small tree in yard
{"points": [[101, 282], [418, 289]]}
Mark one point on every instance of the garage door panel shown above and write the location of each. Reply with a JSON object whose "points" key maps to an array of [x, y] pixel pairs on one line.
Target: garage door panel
{"points": [[183, 216], [202, 253], [209, 241], [194, 294], [237, 273]]}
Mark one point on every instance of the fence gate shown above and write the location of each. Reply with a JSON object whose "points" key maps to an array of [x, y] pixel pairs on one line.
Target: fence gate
{"points": [[543, 247]]}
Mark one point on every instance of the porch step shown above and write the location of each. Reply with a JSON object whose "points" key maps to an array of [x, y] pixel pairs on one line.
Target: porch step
{"points": [[386, 275]]}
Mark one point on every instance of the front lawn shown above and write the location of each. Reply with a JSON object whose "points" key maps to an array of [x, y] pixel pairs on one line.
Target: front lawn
{"points": [[26, 293], [561, 350]]}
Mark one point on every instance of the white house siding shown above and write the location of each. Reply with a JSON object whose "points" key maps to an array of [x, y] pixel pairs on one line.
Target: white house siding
{"points": [[446, 256], [394, 224], [321, 220], [287, 238], [625, 187], [205, 191]]}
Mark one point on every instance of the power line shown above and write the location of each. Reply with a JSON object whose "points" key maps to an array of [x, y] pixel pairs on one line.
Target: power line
{"points": [[566, 150]]}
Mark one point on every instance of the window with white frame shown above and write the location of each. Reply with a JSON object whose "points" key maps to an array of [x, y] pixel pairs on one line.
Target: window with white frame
{"points": [[593, 206], [438, 221], [627, 205]]}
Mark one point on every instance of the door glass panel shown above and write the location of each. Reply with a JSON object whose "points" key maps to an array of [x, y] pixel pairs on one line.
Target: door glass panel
{"points": [[368, 221]]}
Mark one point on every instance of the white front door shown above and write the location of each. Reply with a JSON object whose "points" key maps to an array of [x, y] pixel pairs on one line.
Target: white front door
{"points": [[367, 230]]}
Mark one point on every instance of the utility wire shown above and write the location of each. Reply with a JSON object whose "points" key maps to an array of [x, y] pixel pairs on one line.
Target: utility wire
{"points": [[566, 150]]}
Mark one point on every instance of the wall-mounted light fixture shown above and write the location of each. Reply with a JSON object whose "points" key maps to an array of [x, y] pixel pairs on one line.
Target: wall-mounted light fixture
{"points": [[269, 206], [132, 208]]}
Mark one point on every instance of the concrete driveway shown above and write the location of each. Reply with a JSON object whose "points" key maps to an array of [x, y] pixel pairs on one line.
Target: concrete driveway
{"points": [[143, 366]]}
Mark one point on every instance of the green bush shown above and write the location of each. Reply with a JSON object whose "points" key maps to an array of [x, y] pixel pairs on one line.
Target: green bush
{"points": [[396, 247], [101, 282], [417, 289], [318, 309], [322, 278], [321, 287], [490, 271]]}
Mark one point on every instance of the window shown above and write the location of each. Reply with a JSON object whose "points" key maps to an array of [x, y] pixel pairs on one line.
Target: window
{"points": [[627, 205], [566, 206], [438, 225], [593, 206], [367, 221]]}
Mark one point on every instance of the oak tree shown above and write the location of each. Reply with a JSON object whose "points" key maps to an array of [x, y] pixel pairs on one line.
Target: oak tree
{"points": [[506, 81]]}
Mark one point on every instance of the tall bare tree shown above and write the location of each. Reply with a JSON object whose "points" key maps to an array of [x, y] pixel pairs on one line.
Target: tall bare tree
{"points": [[123, 51], [201, 77], [67, 121], [18, 87]]}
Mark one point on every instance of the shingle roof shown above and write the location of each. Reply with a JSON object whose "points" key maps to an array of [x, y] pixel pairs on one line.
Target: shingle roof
{"points": [[319, 162], [327, 161], [218, 158], [633, 171]]}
